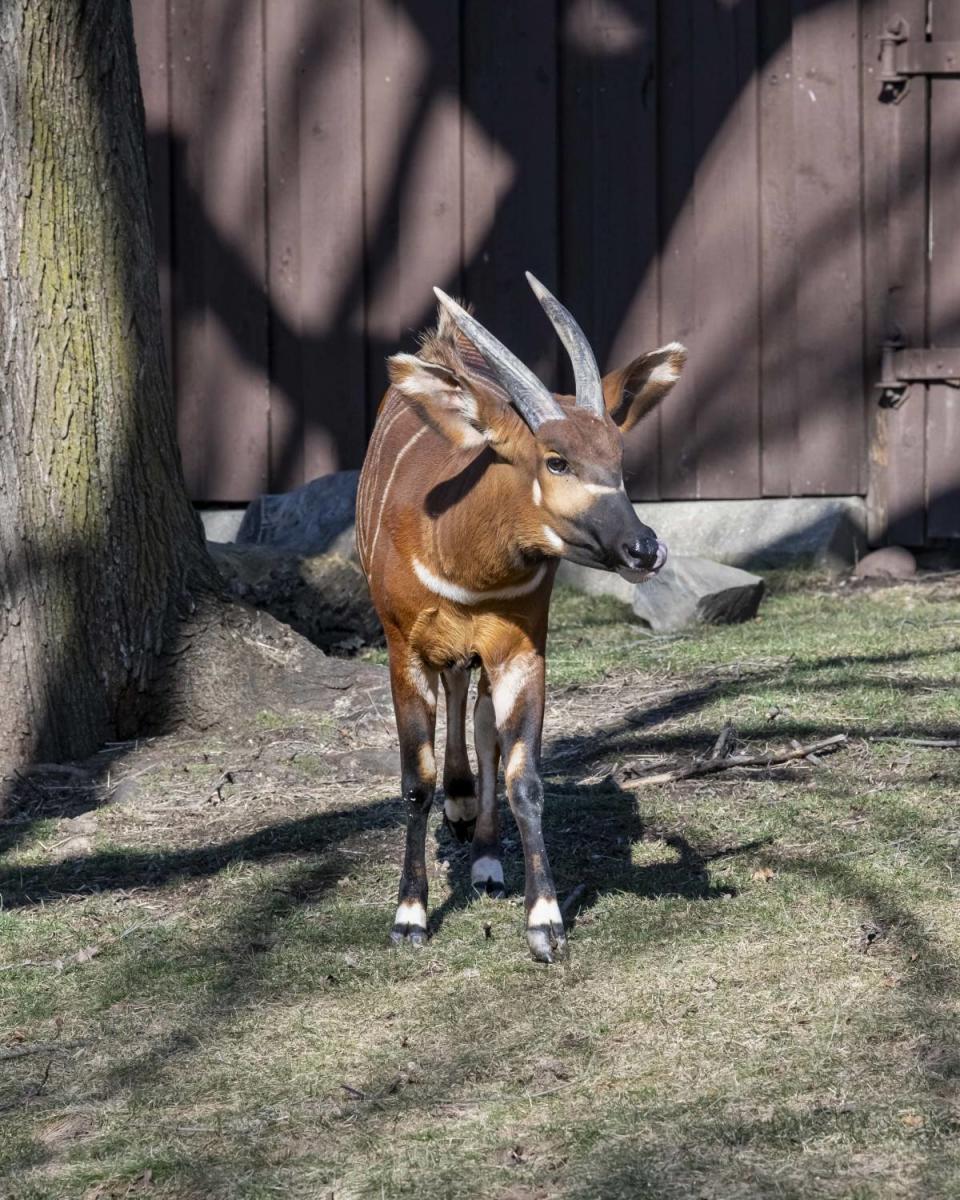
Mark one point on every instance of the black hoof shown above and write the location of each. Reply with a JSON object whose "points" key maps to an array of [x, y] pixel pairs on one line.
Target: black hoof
{"points": [[411, 935], [461, 829], [547, 943], [490, 888]]}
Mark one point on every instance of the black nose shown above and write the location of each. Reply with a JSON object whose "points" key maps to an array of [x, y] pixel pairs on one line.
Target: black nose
{"points": [[642, 552]]}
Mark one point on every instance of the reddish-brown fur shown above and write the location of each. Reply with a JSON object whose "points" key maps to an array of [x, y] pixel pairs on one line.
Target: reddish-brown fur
{"points": [[460, 525]]}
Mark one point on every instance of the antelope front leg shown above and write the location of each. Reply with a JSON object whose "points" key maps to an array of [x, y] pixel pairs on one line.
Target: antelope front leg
{"points": [[518, 695], [415, 704], [486, 869]]}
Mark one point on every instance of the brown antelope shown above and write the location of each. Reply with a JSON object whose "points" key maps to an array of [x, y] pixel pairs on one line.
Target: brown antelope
{"points": [[477, 481]]}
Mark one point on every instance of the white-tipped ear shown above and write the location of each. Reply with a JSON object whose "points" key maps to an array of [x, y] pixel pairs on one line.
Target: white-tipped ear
{"points": [[443, 399], [633, 391]]}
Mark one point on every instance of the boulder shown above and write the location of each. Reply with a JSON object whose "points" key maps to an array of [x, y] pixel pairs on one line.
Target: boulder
{"points": [[889, 562], [322, 596], [687, 591], [317, 518], [827, 533]]}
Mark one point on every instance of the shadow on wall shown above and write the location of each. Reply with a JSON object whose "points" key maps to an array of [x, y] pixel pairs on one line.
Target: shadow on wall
{"points": [[470, 124]]}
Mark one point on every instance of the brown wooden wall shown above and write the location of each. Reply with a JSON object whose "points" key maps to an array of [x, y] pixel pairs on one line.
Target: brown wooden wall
{"points": [[681, 169]]}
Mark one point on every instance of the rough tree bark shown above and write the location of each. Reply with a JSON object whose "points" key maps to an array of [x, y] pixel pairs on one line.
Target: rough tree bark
{"points": [[106, 585]]}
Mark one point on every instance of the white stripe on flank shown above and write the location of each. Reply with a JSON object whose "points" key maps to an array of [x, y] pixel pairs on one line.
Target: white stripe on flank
{"points": [[545, 912], [386, 491], [365, 502], [462, 595]]}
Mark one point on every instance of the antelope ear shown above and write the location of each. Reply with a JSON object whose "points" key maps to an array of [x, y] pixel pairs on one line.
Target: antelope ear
{"points": [[633, 391], [464, 414]]}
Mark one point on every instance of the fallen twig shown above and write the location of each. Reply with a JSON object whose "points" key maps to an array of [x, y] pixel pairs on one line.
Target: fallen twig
{"points": [[711, 765], [8, 1052], [942, 743]]}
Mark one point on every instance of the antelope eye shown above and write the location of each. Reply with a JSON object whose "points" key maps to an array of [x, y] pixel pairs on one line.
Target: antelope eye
{"points": [[557, 465]]}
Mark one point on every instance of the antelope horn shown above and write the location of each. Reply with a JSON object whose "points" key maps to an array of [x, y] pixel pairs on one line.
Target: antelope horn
{"points": [[585, 370], [531, 398]]}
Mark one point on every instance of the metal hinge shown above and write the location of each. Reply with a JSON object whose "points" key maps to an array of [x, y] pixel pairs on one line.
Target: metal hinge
{"points": [[901, 58], [901, 366]]}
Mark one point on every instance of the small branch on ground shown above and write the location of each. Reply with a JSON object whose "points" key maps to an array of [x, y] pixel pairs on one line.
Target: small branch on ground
{"points": [[711, 765], [937, 743], [721, 747]]}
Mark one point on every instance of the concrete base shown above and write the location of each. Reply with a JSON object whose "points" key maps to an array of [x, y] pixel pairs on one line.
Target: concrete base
{"points": [[825, 532], [221, 524]]}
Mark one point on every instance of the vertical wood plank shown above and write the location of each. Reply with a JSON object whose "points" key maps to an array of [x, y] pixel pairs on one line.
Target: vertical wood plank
{"points": [[315, 240], [510, 171], [608, 171], [895, 264], [830, 420], [943, 413], [151, 32], [678, 286], [412, 168], [778, 251], [219, 246], [710, 267], [726, 220]]}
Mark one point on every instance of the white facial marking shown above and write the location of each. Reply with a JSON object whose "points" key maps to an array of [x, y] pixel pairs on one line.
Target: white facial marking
{"points": [[537, 492], [462, 595], [518, 760], [421, 683], [411, 912], [602, 489], [509, 683], [545, 912], [487, 869], [554, 540]]}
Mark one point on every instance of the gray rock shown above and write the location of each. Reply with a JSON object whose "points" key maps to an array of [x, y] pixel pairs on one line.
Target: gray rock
{"points": [[322, 596], [687, 591], [889, 562], [825, 532], [317, 518]]}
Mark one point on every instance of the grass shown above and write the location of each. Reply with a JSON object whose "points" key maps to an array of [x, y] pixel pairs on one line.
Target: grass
{"points": [[762, 999]]}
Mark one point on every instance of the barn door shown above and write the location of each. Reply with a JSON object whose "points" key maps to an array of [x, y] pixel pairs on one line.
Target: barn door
{"points": [[913, 215]]}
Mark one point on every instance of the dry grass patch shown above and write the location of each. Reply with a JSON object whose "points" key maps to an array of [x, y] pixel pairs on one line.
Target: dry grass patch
{"points": [[762, 998]]}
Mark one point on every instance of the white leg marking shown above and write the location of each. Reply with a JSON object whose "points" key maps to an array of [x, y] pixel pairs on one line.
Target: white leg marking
{"points": [[545, 912], [411, 912], [427, 763], [422, 684], [487, 869], [386, 491], [509, 683], [554, 540], [460, 808], [461, 595], [517, 761]]}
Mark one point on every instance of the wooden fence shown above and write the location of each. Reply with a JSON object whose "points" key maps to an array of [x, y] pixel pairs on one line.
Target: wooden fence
{"points": [[682, 169]]}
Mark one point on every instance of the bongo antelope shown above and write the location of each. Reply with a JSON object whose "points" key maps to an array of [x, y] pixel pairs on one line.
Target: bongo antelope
{"points": [[477, 481]]}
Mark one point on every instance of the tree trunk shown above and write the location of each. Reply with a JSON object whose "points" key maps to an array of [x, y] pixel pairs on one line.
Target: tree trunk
{"points": [[101, 552]]}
